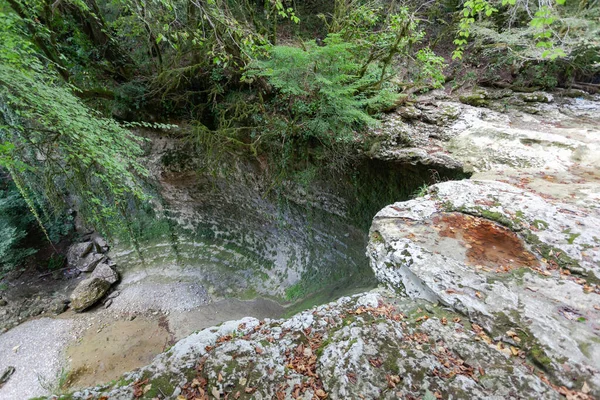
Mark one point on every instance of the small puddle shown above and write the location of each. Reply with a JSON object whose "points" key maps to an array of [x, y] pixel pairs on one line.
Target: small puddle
{"points": [[119, 347], [487, 243]]}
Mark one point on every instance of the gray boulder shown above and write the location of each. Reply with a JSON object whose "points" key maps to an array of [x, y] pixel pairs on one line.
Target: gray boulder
{"points": [[78, 251], [89, 262], [88, 292], [105, 272], [101, 244], [366, 346], [522, 269]]}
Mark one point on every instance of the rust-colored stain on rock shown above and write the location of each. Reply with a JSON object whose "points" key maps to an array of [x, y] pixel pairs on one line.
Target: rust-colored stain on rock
{"points": [[488, 244]]}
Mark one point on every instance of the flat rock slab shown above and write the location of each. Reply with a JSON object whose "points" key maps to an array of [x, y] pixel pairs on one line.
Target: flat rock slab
{"points": [[522, 269]]}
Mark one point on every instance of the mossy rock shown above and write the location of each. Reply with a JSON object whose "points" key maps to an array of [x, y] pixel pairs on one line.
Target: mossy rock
{"points": [[87, 293], [476, 100]]}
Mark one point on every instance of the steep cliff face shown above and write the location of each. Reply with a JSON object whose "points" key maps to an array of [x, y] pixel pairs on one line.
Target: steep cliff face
{"points": [[236, 233]]}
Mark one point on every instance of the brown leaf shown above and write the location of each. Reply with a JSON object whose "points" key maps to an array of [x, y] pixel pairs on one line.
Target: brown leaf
{"points": [[585, 389], [249, 390], [351, 377], [258, 350], [376, 362]]}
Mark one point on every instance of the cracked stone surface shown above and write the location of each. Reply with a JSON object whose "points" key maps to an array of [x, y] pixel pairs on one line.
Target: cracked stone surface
{"points": [[547, 288], [372, 344]]}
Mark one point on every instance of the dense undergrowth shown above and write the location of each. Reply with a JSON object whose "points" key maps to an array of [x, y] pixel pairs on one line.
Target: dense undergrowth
{"points": [[294, 85]]}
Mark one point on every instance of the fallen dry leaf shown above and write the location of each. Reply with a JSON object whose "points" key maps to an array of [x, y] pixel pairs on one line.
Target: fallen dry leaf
{"points": [[422, 318], [585, 389]]}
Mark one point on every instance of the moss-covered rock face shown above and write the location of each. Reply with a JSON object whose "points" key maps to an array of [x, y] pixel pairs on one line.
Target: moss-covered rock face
{"points": [[523, 269], [237, 234], [475, 99]]}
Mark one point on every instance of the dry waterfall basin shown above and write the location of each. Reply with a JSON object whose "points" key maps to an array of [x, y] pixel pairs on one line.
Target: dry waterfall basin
{"points": [[488, 289]]}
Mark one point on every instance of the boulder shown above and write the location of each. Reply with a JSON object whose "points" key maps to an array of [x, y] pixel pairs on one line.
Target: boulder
{"points": [[88, 292], [538, 97], [78, 251], [523, 270], [101, 244], [89, 262], [478, 99], [367, 346], [105, 272]]}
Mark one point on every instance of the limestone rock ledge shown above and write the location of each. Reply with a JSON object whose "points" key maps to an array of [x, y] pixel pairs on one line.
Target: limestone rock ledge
{"points": [[525, 271], [373, 344]]}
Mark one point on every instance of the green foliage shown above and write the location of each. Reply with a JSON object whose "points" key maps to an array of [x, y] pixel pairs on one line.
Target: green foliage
{"points": [[324, 94], [544, 17], [53, 145], [15, 222], [321, 96], [471, 9], [542, 21]]}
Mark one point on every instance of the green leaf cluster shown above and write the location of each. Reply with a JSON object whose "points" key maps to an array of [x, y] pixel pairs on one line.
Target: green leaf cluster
{"points": [[57, 150]]}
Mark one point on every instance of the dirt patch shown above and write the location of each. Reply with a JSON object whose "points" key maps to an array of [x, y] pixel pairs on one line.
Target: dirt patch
{"points": [[102, 355], [487, 242]]}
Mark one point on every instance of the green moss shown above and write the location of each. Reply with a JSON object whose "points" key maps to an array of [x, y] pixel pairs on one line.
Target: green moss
{"points": [[539, 357], [476, 100], [539, 224], [572, 237], [390, 363], [324, 344], [496, 217], [159, 386], [376, 237], [550, 252]]}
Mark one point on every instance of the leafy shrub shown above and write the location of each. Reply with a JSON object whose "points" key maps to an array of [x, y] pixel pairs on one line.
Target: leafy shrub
{"points": [[323, 94]]}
